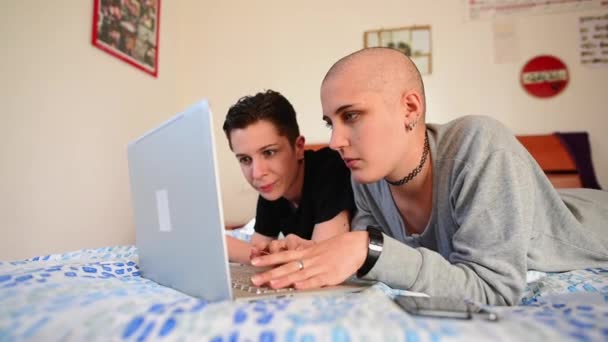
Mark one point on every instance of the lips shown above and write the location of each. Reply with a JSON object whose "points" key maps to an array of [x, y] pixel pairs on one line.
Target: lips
{"points": [[266, 188], [351, 162]]}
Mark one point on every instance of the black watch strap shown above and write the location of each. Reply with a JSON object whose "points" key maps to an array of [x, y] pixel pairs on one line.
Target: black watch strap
{"points": [[374, 249]]}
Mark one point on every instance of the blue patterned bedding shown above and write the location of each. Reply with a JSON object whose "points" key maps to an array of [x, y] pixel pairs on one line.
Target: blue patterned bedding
{"points": [[98, 294]]}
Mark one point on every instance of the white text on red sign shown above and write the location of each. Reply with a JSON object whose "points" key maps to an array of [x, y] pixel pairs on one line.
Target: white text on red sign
{"points": [[544, 76]]}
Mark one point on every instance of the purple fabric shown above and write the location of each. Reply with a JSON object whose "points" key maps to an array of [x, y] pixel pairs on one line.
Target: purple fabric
{"points": [[577, 144]]}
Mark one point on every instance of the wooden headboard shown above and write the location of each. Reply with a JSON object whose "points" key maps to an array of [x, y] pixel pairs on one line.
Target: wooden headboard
{"points": [[549, 152], [315, 147], [553, 158]]}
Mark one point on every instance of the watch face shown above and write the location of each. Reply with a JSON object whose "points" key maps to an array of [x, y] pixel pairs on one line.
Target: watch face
{"points": [[374, 249], [375, 235]]}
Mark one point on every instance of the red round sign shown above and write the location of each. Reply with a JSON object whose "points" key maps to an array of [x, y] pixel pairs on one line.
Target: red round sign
{"points": [[544, 76]]}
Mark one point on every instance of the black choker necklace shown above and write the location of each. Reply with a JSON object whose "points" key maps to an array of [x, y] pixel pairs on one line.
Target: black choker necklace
{"points": [[418, 168]]}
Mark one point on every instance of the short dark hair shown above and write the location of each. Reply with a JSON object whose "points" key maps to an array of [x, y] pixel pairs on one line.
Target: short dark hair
{"points": [[270, 106]]}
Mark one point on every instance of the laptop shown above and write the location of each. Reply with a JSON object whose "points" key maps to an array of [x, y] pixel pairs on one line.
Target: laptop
{"points": [[175, 190]]}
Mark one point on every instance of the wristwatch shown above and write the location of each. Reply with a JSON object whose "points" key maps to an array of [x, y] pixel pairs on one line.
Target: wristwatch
{"points": [[374, 249]]}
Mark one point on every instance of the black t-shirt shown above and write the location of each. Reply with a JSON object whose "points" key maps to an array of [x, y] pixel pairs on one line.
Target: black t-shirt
{"points": [[326, 192]]}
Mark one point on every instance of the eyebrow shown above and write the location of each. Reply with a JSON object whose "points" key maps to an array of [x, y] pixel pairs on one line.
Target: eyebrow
{"points": [[268, 146], [339, 110], [238, 155]]}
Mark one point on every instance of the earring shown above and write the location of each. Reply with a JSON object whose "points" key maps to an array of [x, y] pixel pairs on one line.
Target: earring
{"points": [[410, 127]]}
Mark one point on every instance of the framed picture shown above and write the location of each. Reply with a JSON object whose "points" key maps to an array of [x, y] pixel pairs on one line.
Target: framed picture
{"points": [[128, 29], [413, 41]]}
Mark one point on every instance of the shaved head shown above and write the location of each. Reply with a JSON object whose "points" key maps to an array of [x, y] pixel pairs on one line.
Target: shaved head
{"points": [[380, 70], [373, 99]]}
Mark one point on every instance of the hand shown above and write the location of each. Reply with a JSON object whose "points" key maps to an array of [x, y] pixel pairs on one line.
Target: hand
{"points": [[291, 242], [329, 262], [259, 249]]}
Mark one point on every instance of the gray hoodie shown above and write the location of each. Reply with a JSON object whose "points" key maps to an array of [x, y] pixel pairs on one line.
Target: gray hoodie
{"points": [[495, 216]]}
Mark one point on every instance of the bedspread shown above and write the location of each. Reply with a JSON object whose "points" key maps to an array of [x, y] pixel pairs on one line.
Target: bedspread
{"points": [[98, 294]]}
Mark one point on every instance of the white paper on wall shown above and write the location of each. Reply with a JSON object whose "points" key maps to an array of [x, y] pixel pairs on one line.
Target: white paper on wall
{"points": [[593, 33], [487, 9], [506, 41]]}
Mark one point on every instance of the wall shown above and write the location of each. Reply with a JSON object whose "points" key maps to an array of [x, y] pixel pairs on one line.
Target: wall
{"points": [[288, 46], [67, 112], [67, 109]]}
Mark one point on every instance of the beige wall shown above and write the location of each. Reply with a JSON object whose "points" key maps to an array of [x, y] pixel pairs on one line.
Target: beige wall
{"points": [[288, 46], [67, 109]]}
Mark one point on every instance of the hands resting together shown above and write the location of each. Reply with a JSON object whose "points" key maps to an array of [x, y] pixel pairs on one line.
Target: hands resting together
{"points": [[306, 264]]}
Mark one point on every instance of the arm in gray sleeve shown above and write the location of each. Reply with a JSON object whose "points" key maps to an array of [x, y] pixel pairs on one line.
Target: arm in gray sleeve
{"points": [[363, 216], [493, 208]]}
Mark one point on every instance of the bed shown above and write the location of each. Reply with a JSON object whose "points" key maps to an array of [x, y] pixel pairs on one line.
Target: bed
{"points": [[99, 294]]}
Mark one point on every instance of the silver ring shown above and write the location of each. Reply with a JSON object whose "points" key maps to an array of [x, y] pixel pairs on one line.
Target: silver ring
{"points": [[301, 264]]}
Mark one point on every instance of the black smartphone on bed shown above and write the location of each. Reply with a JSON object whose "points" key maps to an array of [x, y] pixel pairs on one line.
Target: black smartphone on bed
{"points": [[442, 307]]}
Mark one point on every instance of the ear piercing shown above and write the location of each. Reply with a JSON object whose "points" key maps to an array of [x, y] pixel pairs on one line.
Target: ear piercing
{"points": [[410, 127]]}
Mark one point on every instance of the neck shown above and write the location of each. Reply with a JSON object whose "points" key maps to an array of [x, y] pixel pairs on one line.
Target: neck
{"points": [[294, 193], [413, 175], [420, 186]]}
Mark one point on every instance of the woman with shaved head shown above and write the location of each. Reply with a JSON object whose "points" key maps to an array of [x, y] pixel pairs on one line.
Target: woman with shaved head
{"points": [[459, 209]]}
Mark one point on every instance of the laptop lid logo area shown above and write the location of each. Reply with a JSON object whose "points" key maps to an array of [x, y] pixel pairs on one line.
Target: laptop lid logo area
{"points": [[162, 207], [175, 190]]}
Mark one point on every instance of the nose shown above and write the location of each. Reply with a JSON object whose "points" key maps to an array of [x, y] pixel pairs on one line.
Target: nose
{"points": [[258, 168], [338, 138]]}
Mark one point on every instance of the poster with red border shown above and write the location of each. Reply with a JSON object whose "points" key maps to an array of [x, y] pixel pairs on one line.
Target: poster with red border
{"points": [[128, 30]]}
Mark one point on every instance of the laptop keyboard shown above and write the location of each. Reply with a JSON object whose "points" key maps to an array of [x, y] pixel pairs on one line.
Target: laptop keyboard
{"points": [[241, 280]]}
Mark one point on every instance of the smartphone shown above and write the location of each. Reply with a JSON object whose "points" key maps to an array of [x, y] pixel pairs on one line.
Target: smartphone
{"points": [[442, 307]]}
